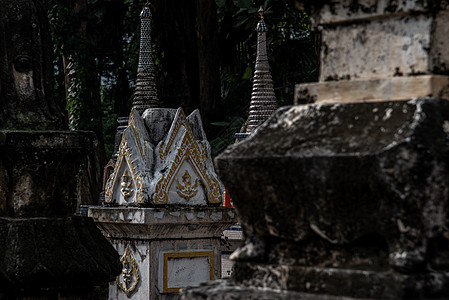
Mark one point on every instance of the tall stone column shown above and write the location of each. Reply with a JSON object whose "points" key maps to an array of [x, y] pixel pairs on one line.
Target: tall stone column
{"points": [[45, 250], [345, 195]]}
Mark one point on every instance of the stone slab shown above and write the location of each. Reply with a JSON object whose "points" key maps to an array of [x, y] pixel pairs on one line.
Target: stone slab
{"points": [[228, 290], [381, 38], [372, 90], [166, 223], [352, 283]]}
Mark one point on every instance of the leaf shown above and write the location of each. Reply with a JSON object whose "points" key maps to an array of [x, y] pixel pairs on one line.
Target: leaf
{"points": [[244, 3], [221, 124], [220, 3], [248, 73]]}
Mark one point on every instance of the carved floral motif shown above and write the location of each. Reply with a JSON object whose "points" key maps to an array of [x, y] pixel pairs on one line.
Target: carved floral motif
{"points": [[129, 278], [124, 157], [186, 189]]}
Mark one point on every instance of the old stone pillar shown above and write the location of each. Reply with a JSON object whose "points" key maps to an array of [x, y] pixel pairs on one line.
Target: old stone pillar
{"points": [[345, 195], [45, 250]]}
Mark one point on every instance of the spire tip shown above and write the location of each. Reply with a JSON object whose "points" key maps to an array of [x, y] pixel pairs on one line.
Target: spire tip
{"points": [[261, 11]]}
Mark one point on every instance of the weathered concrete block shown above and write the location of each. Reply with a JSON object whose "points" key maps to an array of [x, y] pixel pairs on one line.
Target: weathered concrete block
{"points": [[381, 48], [381, 38], [347, 187]]}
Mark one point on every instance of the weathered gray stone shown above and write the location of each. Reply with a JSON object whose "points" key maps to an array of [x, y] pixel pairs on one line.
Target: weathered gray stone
{"points": [[381, 38], [26, 77], [45, 251], [334, 12], [348, 187], [375, 89], [38, 171], [227, 290], [71, 255]]}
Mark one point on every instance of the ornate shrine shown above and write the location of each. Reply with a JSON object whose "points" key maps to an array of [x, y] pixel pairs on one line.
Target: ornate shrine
{"points": [[162, 209]]}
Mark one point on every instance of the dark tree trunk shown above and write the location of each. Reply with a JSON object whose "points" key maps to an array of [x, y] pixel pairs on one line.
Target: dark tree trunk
{"points": [[208, 62], [84, 69], [174, 26]]}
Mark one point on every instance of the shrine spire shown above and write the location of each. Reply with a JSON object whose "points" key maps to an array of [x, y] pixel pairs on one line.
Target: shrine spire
{"points": [[263, 101], [145, 94]]}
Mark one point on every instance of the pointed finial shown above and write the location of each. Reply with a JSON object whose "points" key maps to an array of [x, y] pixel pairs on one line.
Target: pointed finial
{"points": [[146, 12], [261, 27], [261, 11]]}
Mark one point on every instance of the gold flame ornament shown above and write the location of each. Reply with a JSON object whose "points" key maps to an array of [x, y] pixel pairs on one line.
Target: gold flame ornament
{"points": [[128, 280], [126, 186], [186, 189]]}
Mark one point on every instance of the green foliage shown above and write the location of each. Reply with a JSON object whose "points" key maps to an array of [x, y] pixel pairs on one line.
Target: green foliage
{"points": [[109, 119]]}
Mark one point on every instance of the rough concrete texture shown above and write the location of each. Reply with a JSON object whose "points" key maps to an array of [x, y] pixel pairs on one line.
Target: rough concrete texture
{"points": [[381, 38], [382, 48], [38, 171], [348, 187], [26, 72], [373, 89], [328, 12], [227, 290], [60, 254]]}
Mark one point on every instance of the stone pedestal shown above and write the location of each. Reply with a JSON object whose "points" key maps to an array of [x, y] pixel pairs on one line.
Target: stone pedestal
{"points": [[46, 251], [172, 248]]}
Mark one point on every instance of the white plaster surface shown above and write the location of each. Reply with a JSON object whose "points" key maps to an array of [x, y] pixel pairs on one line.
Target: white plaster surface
{"points": [[140, 252], [183, 272]]}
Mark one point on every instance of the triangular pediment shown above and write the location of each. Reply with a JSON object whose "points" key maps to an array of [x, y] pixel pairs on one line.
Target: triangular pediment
{"points": [[180, 156]]}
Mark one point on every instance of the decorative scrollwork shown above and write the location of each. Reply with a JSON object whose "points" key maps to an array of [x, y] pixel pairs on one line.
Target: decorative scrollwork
{"points": [[195, 152], [129, 278]]}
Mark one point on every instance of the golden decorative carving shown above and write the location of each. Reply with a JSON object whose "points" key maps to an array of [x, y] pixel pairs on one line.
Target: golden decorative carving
{"points": [[132, 123], [129, 278], [186, 189], [124, 156], [193, 151], [140, 198], [126, 185]]}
